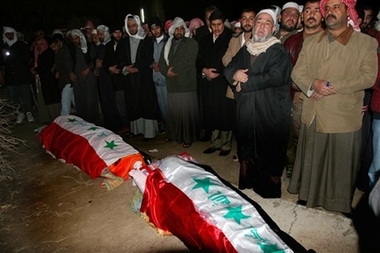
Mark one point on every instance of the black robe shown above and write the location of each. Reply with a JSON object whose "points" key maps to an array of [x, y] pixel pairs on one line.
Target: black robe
{"points": [[106, 92], [263, 107], [218, 110], [49, 84], [140, 92]]}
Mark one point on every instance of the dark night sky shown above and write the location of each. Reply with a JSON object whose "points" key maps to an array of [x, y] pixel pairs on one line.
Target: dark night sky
{"points": [[22, 14]]}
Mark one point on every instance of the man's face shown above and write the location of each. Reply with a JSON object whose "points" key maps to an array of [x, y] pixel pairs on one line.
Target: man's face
{"points": [[132, 26], [336, 15], [289, 19], [117, 35], [89, 27], [263, 28], [312, 17], [75, 40], [56, 45], [368, 15], [101, 35], [247, 21], [156, 31], [179, 33], [10, 36], [217, 27]]}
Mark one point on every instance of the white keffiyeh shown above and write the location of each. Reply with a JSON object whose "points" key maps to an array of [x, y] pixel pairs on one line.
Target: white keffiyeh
{"points": [[140, 31], [256, 48], [83, 43], [177, 22], [7, 41]]}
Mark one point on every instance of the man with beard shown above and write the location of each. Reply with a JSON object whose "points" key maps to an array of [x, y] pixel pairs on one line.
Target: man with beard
{"points": [[118, 79], [84, 86], [106, 91], [333, 70], [247, 20], [135, 55], [367, 23], [288, 21], [218, 110], [177, 63], [312, 19], [259, 75]]}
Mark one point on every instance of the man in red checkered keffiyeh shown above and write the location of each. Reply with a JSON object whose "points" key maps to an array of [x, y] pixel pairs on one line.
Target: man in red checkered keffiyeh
{"points": [[352, 14]]}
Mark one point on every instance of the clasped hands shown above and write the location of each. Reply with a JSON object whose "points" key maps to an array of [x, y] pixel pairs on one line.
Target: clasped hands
{"points": [[321, 88]]}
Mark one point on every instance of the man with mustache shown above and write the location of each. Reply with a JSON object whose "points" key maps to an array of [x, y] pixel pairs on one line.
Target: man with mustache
{"points": [[312, 19], [259, 76], [332, 71], [288, 20]]}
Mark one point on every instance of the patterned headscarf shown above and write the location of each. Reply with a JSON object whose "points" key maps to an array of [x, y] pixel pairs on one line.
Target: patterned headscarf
{"points": [[353, 15]]}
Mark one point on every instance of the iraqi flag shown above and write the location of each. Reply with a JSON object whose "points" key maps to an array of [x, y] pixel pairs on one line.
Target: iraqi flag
{"points": [[196, 206], [89, 147]]}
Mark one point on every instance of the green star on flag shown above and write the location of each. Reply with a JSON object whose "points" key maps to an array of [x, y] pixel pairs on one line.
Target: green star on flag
{"points": [[203, 183], [93, 128], [236, 214], [111, 145], [72, 120]]}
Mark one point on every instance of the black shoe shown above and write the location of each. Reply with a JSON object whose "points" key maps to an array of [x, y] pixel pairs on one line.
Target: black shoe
{"points": [[224, 152], [301, 202], [209, 150], [147, 139]]}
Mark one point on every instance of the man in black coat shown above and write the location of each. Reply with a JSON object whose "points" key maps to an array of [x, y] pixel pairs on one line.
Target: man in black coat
{"points": [[218, 110], [135, 56], [259, 75]]}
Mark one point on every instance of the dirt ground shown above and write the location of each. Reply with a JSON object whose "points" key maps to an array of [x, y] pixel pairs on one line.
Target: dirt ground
{"points": [[49, 206]]}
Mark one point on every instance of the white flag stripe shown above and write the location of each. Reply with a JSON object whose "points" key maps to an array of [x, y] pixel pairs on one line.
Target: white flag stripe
{"points": [[97, 138], [214, 206]]}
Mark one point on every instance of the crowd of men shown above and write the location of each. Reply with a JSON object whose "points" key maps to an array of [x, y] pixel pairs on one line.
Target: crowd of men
{"points": [[293, 85]]}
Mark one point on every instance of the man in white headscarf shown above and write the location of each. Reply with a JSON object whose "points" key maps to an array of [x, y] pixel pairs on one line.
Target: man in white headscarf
{"points": [[17, 77], [177, 64], [135, 53], [259, 75], [84, 87]]}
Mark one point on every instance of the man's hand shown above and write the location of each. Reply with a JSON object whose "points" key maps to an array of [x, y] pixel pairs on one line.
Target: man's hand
{"points": [[130, 69], [210, 73], [98, 63], [114, 70], [84, 72], [241, 75], [321, 89], [73, 77], [155, 67], [170, 73]]}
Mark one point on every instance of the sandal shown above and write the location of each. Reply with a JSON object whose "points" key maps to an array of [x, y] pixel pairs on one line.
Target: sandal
{"points": [[186, 145]]}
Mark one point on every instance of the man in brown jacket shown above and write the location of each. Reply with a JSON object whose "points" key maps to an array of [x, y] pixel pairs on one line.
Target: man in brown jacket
{"points": [[333, 69]]}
